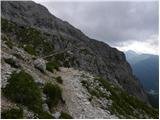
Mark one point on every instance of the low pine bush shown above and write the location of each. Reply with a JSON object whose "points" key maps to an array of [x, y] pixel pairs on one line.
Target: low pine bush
{"points": [[59, 79], [52, 65], [53, 93], [65, 115], [13, 113], [22, 89]]}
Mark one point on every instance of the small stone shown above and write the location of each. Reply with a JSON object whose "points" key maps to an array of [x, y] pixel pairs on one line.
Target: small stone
{"points": [[45, 107], [87, 103], [40, 82], [44, 97], [56, 115]]}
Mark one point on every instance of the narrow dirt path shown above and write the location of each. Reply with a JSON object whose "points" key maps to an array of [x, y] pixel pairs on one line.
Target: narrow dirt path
{"points": [[76, 97]]}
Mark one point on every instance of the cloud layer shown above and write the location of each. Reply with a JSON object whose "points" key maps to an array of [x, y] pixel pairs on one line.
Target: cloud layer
{"points": [[119, 24]]}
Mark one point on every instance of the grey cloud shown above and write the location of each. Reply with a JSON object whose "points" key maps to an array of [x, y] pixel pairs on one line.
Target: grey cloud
{"points": [[111, 22]]}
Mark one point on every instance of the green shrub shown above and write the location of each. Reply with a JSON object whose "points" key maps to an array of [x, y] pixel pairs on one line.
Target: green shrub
{"points": [[59, 79], [7, 26], [60, 57], [13, 113], [50, 66], [65, 115], [44, 115], [22, 89], [53, 93], [11, 62], [30, 50], [62, 38], [34, 57]]}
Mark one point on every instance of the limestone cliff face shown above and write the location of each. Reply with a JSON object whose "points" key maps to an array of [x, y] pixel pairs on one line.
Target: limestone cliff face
{"points": [[84, 54]]}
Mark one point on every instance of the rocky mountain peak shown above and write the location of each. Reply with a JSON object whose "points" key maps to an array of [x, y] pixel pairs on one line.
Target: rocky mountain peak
{"points": [[31, 14]]}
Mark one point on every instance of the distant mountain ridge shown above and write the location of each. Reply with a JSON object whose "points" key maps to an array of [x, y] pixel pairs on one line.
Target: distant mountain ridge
{"points": [[146, 68], [133, 57], [130, 54]]}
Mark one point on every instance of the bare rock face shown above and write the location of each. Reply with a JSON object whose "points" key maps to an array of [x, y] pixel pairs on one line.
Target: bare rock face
{"points": [[85, 54]]}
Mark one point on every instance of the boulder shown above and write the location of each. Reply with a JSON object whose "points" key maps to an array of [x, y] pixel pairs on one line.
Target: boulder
{"points": [[40, 64]]}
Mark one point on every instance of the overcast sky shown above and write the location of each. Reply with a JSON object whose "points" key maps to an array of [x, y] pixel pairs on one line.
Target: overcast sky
{"points": [[124, 25]]}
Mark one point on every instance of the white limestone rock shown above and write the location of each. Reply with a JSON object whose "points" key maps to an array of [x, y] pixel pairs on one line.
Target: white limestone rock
{"points": [[40, 64]]}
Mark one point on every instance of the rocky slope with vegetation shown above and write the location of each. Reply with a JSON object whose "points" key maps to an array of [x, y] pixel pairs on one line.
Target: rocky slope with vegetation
{"points": [[83, 78], [46, 91]]}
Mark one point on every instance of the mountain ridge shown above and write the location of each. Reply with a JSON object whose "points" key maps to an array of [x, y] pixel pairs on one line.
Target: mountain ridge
{"points": [[100, 58], [147, 63]]}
